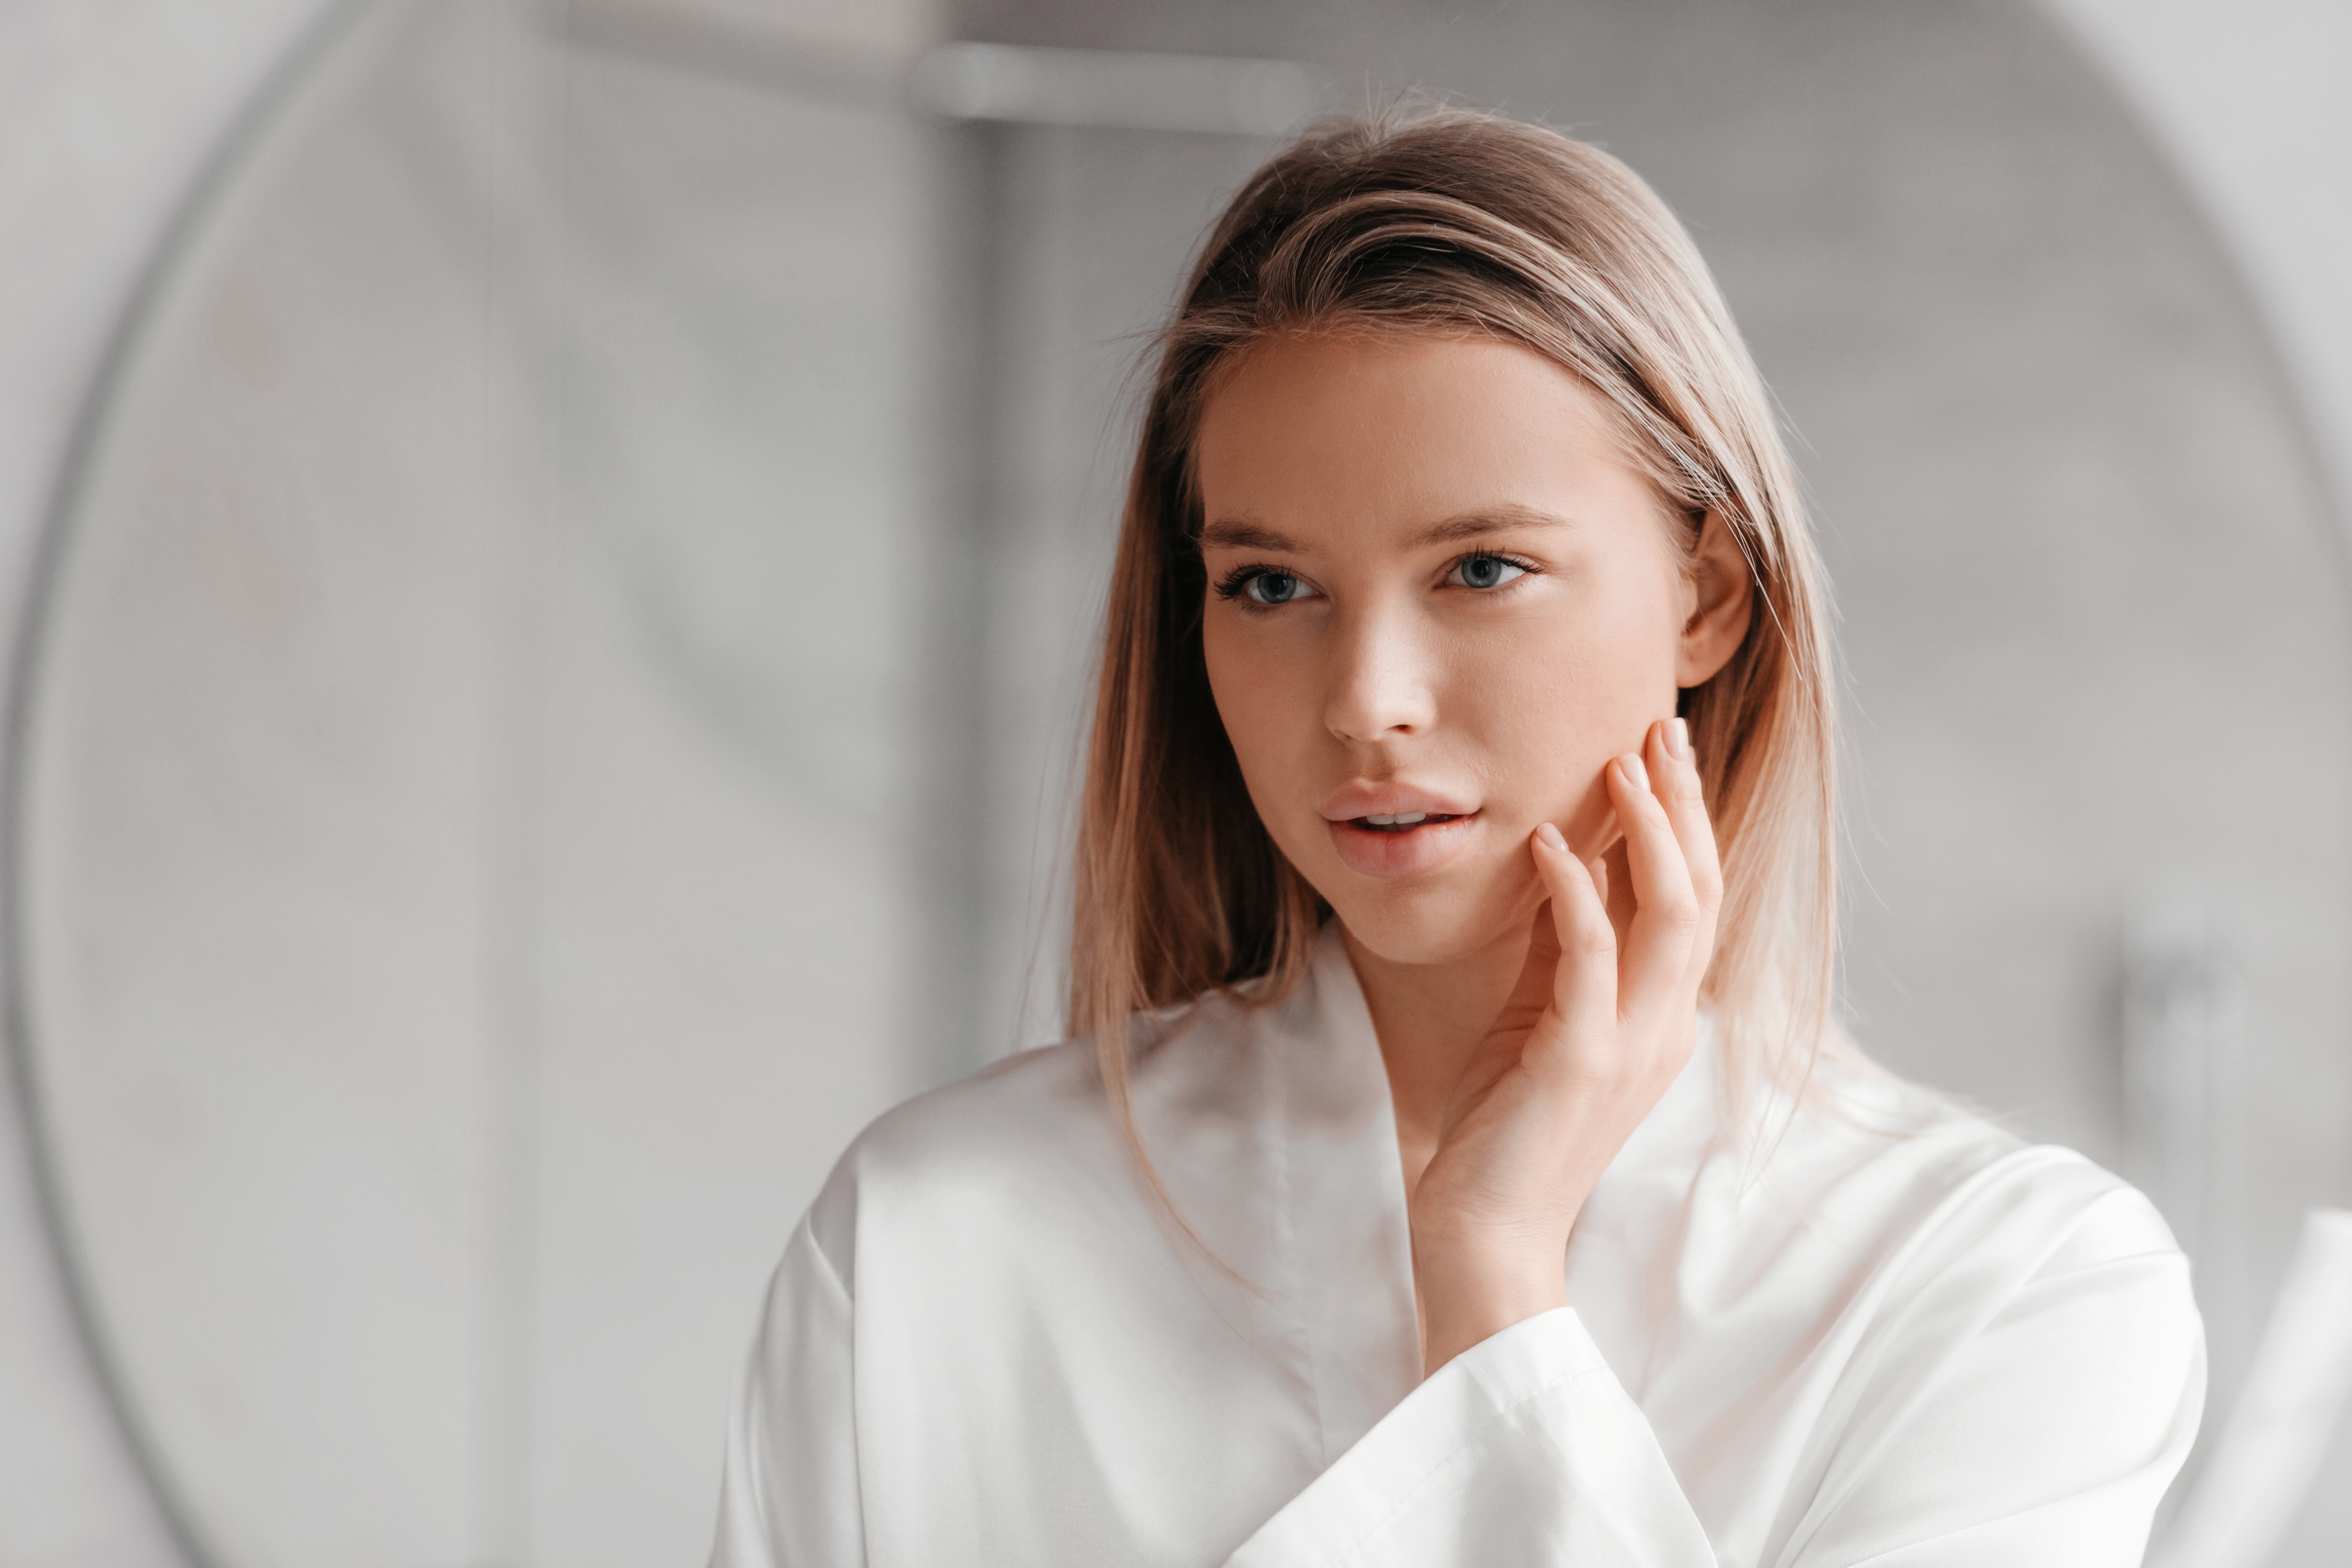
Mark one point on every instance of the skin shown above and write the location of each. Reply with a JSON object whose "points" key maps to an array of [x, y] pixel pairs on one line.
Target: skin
{"points": [[1436, 584]]}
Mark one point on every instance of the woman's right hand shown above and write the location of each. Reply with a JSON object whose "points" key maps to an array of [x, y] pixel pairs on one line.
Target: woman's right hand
{"points": [[1601, 1023]]}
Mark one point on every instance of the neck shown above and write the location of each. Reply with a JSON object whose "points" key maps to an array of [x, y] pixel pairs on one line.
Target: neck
{"points": [[1430, 1018]]}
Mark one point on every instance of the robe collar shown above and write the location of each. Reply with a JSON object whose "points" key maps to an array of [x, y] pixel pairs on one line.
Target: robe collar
{"points": [[1274, 1131]]}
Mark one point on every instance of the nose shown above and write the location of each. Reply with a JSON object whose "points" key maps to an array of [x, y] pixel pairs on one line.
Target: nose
{"points": [[1382, 686]]}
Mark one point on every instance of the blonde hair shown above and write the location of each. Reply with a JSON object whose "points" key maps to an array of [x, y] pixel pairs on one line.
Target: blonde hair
{"points": [[1458, 223]]}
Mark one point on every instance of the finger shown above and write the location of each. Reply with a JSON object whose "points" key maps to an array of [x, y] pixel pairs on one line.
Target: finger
{"points": [[1665, 906], [1584, 979], [1532, 995], [1616, 884], [1674, 779]]}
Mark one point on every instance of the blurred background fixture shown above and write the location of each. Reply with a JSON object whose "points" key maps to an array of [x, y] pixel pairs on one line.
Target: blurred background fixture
{"points": [[551, 552]]}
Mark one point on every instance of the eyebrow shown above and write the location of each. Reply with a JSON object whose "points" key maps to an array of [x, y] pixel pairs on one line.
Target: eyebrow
{"points": [[1246, 533], [1242, 533], [1504, 519]]}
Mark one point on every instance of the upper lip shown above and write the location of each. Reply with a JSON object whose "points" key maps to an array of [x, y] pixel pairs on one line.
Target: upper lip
{"points": [[1359, 797]]}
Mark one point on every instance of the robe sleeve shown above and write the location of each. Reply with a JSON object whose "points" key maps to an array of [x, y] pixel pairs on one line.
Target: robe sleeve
{"points": [[789, 1495], [1999, 1421]]}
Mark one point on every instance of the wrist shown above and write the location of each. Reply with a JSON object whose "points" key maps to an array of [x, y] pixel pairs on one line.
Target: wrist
{"points": [[1471, 1294]]}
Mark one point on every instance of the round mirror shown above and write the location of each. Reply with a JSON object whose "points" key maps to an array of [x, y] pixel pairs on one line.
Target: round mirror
{"points": [[469, 890]]}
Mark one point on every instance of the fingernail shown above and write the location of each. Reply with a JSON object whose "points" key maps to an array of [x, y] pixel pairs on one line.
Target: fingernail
{"points": [[1550, 836], [1635, 774], [1678, 739]]}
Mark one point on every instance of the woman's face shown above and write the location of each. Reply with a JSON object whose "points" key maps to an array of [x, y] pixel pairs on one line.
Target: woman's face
{"points": [[1439, 602]]}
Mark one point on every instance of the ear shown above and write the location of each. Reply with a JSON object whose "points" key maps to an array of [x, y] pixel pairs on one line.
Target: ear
{"points": [[1719, 598]]}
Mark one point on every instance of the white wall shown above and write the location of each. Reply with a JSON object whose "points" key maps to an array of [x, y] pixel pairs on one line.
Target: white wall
{"points": [[663, 854], [2250, 99], [106, 106]]}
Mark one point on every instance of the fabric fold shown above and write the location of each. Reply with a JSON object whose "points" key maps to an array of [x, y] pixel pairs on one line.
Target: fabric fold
{"points": [[1890, 1335]]}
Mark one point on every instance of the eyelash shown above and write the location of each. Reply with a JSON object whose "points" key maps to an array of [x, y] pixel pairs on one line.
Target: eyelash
{"points": [[1526, 568], [1232, 584]]}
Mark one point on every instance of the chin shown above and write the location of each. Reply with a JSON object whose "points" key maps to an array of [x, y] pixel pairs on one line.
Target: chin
{"points": [[1431, 925]]}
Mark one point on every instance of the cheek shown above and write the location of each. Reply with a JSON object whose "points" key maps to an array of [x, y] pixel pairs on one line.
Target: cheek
{"points": [[1271, 710], [1260, 714], [1556, 700]]}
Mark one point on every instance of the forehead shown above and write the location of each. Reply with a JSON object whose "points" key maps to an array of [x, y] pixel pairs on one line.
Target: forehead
{"points": [[1396, 431]]}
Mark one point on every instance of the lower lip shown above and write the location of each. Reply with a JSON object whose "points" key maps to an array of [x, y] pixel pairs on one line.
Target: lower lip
{"points": [[1371, 852]]}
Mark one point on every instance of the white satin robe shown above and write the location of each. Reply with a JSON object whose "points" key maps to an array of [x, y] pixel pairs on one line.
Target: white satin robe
{"points": [[1935, 1345]]}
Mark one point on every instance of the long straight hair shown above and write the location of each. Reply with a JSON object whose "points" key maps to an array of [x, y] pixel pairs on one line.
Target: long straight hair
{"points": [[1459, 225]]}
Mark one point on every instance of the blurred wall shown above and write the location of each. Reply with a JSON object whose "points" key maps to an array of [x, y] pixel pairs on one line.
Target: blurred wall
{"points": [[105, 105], [2249, 102], [390, 298], [109, 109]]}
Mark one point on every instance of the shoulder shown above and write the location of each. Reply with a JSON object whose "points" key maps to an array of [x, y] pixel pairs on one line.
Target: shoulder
{"points": [[1914, 1238], [1022, 1141], [1029, 1100], [2007, 1336], [974, 1142], [2036, 1308], [1945, 1193]]}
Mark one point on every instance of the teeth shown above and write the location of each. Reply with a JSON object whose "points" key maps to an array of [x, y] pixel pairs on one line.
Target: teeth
{"points": [[1398, 819]]}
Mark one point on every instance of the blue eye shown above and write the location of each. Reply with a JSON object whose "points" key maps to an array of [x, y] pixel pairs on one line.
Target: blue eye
{"points": [[1277, 588], [1485, 572]]}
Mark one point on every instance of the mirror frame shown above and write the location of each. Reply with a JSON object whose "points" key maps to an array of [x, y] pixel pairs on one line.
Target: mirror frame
{"points": [[184, 226]]}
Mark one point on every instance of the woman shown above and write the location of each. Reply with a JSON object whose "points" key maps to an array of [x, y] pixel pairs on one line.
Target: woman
{"points": [[1463, 1168]]}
